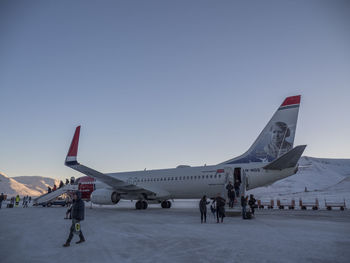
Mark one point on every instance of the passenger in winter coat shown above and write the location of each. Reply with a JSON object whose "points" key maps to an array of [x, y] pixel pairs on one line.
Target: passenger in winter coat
{"points": [[67, 181], [2, 198], [237, 185], [220, 208], [251, 203], [61, 184], [49, 189], [54, 188], [230, 194], [78, 211], [244, 205], [203, 208]]}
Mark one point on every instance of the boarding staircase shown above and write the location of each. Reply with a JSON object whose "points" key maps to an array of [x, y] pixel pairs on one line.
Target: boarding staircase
{"points": [[237, 209], [45, 198]]}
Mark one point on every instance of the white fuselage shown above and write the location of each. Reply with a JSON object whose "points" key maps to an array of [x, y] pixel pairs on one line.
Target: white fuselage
{"points": [[194, 182]]}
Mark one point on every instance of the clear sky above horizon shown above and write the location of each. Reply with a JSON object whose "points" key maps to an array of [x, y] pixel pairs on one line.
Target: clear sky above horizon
{"points": [[156, 84]]}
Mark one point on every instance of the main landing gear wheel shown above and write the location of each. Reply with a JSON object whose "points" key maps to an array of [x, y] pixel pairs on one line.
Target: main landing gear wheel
{"points": [[166, 204], [141, 205]]}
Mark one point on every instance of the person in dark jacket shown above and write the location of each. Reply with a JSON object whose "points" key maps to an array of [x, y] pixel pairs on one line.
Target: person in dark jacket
{"points": [[237, 186], [220, 208], [78, 211], [203, 208], [61, 184], [230, 194], [251, 203], [2, 198], [67, 181], [49, 189], [244, 205]]}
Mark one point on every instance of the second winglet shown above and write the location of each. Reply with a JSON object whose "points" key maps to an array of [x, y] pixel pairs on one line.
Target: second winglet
{"points": [[71, 158]]}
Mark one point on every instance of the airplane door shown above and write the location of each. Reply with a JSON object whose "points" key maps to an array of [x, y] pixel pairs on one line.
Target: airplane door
{"points": [[240, 179], [237, 175], [229, 175]]}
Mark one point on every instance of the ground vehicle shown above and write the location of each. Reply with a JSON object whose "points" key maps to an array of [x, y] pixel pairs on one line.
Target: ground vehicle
{"points": [[54, 202]]}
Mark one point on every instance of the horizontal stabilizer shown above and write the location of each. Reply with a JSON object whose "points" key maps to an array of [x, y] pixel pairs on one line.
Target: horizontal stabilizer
{"points": [[288, 160]]}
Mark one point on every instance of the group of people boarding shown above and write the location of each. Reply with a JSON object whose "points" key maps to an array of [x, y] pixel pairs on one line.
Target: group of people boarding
{"points": [[217, 206]]}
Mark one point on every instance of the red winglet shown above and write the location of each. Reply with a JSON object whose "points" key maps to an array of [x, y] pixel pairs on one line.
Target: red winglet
{"points": [[291, 101], [73, 149]]}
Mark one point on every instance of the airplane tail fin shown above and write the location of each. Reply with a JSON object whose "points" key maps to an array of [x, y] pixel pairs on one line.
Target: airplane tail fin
{"points": [[71, 158], [277, 138]]}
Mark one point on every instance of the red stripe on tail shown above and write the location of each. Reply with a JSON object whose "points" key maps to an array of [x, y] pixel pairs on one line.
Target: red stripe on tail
{"points": [[73, 149], [291, 101]]}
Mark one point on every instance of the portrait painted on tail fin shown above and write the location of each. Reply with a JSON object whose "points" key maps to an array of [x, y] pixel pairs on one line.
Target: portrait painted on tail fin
{"points": [[277, 138]]}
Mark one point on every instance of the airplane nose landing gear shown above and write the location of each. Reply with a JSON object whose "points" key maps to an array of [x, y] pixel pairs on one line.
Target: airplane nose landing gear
{"points": [[141, 205]]}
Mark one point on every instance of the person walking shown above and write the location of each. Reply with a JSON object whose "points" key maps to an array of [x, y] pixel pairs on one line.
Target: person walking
{"points": [[244, 205], [237, 186], [230, 194], [203, 208], [220, 208], [78, 212], [17, 200], [213, 208], [12, 202], [25, 205], [2, 198], [251, 203]]}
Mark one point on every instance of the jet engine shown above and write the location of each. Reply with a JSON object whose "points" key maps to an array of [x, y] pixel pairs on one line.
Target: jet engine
{"points": [[105, 197]]}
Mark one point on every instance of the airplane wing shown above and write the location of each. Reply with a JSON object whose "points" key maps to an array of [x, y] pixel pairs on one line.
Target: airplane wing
{"points": [[117, 184]]}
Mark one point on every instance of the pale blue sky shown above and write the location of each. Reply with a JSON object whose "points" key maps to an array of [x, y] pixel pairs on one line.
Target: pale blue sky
{"points": [[160, 83]]}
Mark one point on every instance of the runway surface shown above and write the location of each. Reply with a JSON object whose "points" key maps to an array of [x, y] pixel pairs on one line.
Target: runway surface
{"points": [[123, 234]]}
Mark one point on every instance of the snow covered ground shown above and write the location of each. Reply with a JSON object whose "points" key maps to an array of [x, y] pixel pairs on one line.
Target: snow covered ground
{"points": [[325, 179], [123, 234]]}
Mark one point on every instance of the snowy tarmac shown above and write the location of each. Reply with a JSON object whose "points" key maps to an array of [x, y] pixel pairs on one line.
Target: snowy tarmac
{"points": [[123, 234]]}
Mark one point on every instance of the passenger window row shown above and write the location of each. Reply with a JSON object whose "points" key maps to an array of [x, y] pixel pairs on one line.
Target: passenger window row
{"points": [[178, 178]]}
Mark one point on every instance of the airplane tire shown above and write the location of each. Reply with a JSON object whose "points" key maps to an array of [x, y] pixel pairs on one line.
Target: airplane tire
{"points": [[164, 204], [168, 204], [138, 205], [144, 205]]}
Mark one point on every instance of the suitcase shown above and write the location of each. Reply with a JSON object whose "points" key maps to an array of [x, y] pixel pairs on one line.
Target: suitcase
{"points": [[248, 215]]}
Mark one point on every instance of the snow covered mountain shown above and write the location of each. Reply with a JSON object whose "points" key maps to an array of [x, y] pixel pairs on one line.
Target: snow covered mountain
{"points": [[37, 183], [25, 185], [323, 178]]}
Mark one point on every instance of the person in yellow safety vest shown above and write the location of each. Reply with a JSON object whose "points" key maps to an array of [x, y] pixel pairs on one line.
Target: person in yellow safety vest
{"points": [[17, 200]]}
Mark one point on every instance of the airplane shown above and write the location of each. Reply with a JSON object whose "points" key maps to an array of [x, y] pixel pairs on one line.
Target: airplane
{"points": [[269, 159]]}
